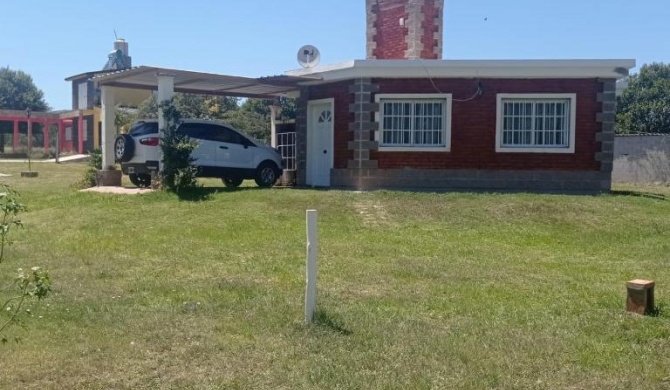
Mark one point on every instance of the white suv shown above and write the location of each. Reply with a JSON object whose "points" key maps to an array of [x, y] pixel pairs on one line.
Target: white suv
{"points": [[222, 152]]}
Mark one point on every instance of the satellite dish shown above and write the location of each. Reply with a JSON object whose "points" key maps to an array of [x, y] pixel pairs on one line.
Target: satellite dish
{"points": [[309, 56]]}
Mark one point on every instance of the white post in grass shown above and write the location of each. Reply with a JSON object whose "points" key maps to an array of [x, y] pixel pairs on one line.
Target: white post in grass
{"points": [[312, 248]]}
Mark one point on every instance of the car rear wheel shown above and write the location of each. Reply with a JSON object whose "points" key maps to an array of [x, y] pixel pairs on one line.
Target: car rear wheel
{"points": [[266, 175], [124, 147], [231, 182], [140, 180]]}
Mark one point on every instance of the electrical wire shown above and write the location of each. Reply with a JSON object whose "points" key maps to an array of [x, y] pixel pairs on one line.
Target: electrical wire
{"points": [[479, 91]]}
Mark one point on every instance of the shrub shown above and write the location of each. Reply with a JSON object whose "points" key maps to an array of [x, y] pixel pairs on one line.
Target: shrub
{"points": [[179, 174], [94, 164]]}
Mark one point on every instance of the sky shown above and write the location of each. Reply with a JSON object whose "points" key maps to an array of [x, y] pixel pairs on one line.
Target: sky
{"points": [[54, 39]]}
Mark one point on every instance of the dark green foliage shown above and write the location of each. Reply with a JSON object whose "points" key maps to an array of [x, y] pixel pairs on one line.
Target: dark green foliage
{"points": [[644, 107], [10, 208], [94, 164], [179, 173], [18, 92]]}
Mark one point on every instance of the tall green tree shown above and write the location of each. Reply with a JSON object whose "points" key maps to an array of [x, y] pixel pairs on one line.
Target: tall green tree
{"points": [[644, 107], [253, 116], [190, 106], [18, 91]]}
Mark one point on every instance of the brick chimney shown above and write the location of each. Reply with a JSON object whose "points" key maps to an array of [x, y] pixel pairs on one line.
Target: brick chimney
{"points": [[404, 29]]}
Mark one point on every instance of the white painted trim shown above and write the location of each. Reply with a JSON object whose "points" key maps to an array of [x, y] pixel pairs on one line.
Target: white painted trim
{"points": [[413, 96], [309, 135], [524, 69], [499, 119]]}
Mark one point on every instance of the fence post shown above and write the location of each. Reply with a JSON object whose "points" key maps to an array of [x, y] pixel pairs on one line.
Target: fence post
{"points": [[311, 272]]}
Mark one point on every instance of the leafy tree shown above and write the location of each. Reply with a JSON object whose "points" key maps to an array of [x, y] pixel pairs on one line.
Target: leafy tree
{"points": [[18, 92], [644, 107], [204, 106], [253, 116], [189, 105]]}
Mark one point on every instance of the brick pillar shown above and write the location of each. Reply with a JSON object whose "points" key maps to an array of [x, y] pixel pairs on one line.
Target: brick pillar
{"points": [[404, 29], [363, 126], [607, 118], [301, 136]]}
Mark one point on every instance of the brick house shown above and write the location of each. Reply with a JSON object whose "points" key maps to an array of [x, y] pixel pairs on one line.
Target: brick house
{"points": [[404, 118]]}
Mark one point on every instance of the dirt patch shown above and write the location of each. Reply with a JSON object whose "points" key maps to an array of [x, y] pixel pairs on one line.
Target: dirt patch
{"points": [[372, 213], [119, 190]]}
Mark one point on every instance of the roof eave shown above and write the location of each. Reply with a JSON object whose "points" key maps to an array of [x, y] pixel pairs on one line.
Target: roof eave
{"points": [[615, 69]]}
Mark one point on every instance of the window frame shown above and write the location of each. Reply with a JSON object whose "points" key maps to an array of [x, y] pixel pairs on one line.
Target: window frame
{"points": [[572, 121], [447, 97]]}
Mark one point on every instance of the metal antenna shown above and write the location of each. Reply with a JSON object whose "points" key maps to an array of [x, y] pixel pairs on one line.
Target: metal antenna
{"points": [[115, 36]]}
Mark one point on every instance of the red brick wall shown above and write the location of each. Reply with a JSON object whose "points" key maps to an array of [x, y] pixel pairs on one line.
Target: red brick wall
{"points": [[390, 36], [342, 136], [474, 125]]}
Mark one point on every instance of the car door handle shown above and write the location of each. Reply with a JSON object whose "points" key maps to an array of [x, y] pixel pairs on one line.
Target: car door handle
{"points": [[223, 147]]}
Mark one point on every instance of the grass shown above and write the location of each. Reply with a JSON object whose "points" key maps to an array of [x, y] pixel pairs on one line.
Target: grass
{"points": [[416, 290]]}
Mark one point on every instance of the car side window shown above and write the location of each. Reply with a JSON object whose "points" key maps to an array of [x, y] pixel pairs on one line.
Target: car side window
{"points": [[211, 132], [223, 134], [193, 130]]}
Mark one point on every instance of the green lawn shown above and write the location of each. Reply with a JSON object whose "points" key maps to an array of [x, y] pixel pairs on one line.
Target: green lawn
{"points": [[416, 290]]}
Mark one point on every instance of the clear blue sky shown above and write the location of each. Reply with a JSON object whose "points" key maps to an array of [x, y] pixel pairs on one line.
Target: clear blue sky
{"points": [[52, 40]]}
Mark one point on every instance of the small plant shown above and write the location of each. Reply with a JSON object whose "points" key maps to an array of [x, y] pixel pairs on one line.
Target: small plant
{"points": [[33, 284], [94, 164], [179, 173], [10, 207]]}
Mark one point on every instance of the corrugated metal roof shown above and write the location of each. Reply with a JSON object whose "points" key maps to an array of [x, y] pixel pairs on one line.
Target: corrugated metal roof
{"points": [[145, 77]]}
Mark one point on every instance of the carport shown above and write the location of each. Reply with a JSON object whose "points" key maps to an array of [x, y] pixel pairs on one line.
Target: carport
{"points": [[134, 85]]}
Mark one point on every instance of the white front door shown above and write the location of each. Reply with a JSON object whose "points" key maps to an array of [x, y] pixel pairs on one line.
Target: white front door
{"points": [[320, 142]]}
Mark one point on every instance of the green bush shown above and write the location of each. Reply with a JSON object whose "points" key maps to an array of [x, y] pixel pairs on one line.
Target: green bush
{"points": [[179, 174], [94, 164]]}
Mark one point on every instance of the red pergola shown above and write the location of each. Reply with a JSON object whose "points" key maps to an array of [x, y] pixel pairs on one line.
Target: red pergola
{"points": [[47, 119]]}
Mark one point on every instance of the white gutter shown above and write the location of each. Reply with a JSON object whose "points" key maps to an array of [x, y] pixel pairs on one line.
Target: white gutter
{"points": [[616, 69]]}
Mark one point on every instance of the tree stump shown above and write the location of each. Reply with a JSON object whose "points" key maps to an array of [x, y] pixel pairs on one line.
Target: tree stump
{"points": [[640, 296]]}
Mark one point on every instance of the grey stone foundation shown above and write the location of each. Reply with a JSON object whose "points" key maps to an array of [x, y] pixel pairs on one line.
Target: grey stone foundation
{"points": [[607, 118], [578, 182]]}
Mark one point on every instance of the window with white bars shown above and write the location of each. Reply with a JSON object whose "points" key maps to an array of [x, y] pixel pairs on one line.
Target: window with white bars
{"points": [[413, 122], [538, 123]]}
